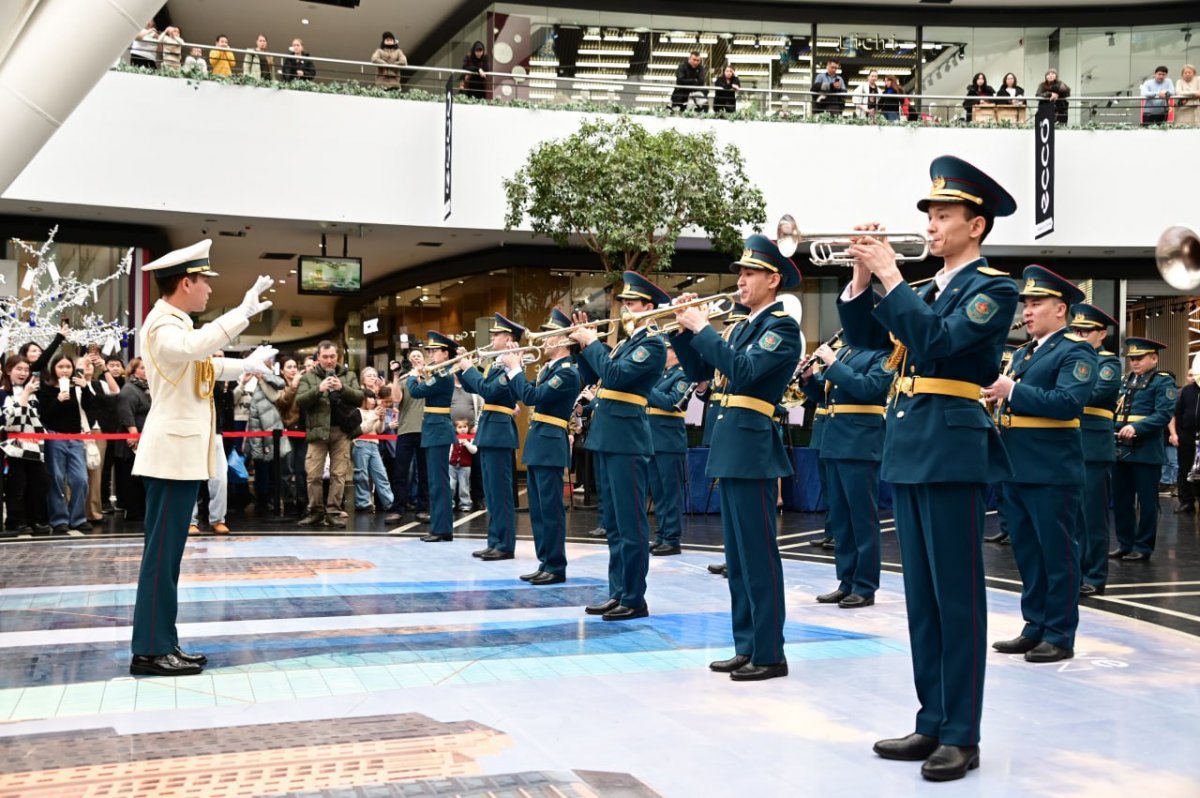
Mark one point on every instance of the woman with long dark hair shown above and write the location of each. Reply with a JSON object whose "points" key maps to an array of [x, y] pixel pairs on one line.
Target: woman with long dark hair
{"points": [[63, 401], [26, 484], [725, 94], [978, 89], [1009, 91]]}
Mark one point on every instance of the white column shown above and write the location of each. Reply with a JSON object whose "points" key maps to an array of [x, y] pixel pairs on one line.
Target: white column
{"points": [[60, 52]]}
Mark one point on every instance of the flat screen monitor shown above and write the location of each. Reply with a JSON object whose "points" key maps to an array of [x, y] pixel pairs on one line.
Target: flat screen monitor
{"points": [[330, 276]]}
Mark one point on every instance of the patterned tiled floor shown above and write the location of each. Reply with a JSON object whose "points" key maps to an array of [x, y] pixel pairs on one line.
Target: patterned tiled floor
{"points": [[374, 666]]}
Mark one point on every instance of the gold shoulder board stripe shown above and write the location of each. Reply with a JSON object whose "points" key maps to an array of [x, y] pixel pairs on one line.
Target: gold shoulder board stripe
{"points": [[988, 270]]}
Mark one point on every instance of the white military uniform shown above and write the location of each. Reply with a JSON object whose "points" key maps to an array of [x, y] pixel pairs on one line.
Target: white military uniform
{"points": [[180, 439]]}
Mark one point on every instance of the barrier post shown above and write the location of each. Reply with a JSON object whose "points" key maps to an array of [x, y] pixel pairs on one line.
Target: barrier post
{"points": [[3, 464], [277, 469]]}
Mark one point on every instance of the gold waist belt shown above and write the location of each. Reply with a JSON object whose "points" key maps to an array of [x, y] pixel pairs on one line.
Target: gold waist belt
{"points": [[1098, 411], [749, 403], [498, 409], [545, 419], [441, 411], [1132, 419], [654, 411], [716, 397], [911, 386], [621, 396], [1037, 422], [874, 410]]}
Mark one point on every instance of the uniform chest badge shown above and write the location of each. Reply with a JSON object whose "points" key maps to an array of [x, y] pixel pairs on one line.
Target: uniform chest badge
{"points": [[770, 341], [981, 309], [640, 354], [555, 381], [1082, 372], [1172, 393], [1108, 372]]}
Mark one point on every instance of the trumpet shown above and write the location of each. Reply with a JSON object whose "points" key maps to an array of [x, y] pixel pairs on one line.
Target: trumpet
{"points": [[529, 354], [597, 324], [833, 249], [722, 305], [1177, 257]]}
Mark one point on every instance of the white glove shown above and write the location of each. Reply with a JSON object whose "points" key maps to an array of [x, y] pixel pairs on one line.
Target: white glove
{"points": [[251, 305], [256, 361]]}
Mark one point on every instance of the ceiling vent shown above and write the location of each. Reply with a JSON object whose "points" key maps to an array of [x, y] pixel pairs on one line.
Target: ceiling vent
{"points": [[277, 256], [429, 243], [233, 233]]}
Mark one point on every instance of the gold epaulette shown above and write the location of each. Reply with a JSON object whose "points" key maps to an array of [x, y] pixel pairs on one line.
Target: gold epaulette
{"points": [[990, 272], [1072, 337], [566, 365], [780, 313], [1166, 374], [1103, 353]]}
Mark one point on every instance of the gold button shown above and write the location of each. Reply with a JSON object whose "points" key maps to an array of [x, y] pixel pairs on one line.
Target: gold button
{"points": [[900, 414], [912, 369]]}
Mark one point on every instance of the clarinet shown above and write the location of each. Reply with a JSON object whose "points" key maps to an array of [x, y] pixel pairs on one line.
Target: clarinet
{"points": [[808, 360], [1124, 406], [687, 397]]}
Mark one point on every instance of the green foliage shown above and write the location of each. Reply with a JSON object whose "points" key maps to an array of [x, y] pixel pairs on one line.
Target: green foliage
{"points": [[629, 193]]}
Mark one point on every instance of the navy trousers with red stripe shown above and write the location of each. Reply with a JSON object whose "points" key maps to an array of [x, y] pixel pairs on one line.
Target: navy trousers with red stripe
{"points": [[623, 487], [169, 505], [1041, 523], [754, 568], [940, 529]]}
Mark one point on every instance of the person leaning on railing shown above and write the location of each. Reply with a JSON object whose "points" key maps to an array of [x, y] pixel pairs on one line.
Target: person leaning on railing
{"points": [[1187, 93], [259, 64], [390, 56], [889, 100], [220, 60], [725, 93], [296, 66], [1051, 89], [476, 63]]}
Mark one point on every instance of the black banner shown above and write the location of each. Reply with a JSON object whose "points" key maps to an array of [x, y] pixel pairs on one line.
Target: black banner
{"points": [[1043, 171], [449, 137]]}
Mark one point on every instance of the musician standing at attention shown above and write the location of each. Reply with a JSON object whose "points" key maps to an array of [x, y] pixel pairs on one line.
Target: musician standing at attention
{"points": [[547, 451], [747, 453], [941, 450], [437, 434], [497, 440], [668, 465], [856, 389], [1096, 426], [1144, 409], [620, 438], [1038, 405]]}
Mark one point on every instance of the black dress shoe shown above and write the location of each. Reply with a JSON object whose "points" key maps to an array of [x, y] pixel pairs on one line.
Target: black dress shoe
{"points": [[162, 665], [912, 748], [423, 517], [828, 544], [528, 577], [496, 554], [1136, 556], [623, 613], [854, 601], [999, 537], [718, 569], [437, 538], [1091, 590], [195, 659], [950, 762], [481, 552], [598, 532], [1018, 645], [547, 578], [729, 665], [1117, 554], [602, 607], [314, 518], [756, 673], [393, 518], [819, 542], [1184, 508], [61, 529], [665, 551], [834, 597], [1048, 652]]}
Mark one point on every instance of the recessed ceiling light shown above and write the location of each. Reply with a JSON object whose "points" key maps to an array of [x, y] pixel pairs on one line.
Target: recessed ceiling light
{"points": [[35, 208], [304, 22], [291, 271]]}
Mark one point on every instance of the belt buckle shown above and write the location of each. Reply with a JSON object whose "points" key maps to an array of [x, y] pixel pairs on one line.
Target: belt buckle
{"points": [[906, 386], [1006, 420], [832, 410]]}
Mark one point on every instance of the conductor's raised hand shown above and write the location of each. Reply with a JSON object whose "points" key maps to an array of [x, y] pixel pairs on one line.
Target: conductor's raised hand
{"points": [[256, 361], [252, 305]]}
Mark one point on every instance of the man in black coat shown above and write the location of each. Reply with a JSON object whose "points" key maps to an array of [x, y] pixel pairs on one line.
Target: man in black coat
{"points": [[689, 73], [1187, 426]]}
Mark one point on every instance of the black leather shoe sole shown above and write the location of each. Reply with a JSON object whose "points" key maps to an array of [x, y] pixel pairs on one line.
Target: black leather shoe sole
{"points": [[548, 579], [480, 552], [758, 673], [437, 538], [165, 665], [494, 554], [1048, 652], [912, 748], [718, 569], [729, 665], [530, 577], [1091, 590], [602, 607], [665, 551], [855, 601], [833, 597], [194, 659]]}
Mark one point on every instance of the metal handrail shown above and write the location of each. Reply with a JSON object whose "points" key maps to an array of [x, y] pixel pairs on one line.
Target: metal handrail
{"points": [[772, 95]]}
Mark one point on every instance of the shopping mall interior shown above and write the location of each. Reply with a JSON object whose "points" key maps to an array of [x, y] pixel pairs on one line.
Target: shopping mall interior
{"points": [[378, 199]]}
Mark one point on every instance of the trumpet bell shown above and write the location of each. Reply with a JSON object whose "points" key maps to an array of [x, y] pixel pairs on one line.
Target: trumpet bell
{"points": [[1177, 257]]}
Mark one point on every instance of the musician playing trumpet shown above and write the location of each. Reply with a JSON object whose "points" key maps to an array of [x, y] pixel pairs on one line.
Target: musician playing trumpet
{"points": [[437, 433], [547, 450], [747, 452], [497, 440]]}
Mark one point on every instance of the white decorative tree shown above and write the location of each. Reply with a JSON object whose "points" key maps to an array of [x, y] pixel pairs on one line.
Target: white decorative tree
{"points": [[45, 297]]}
